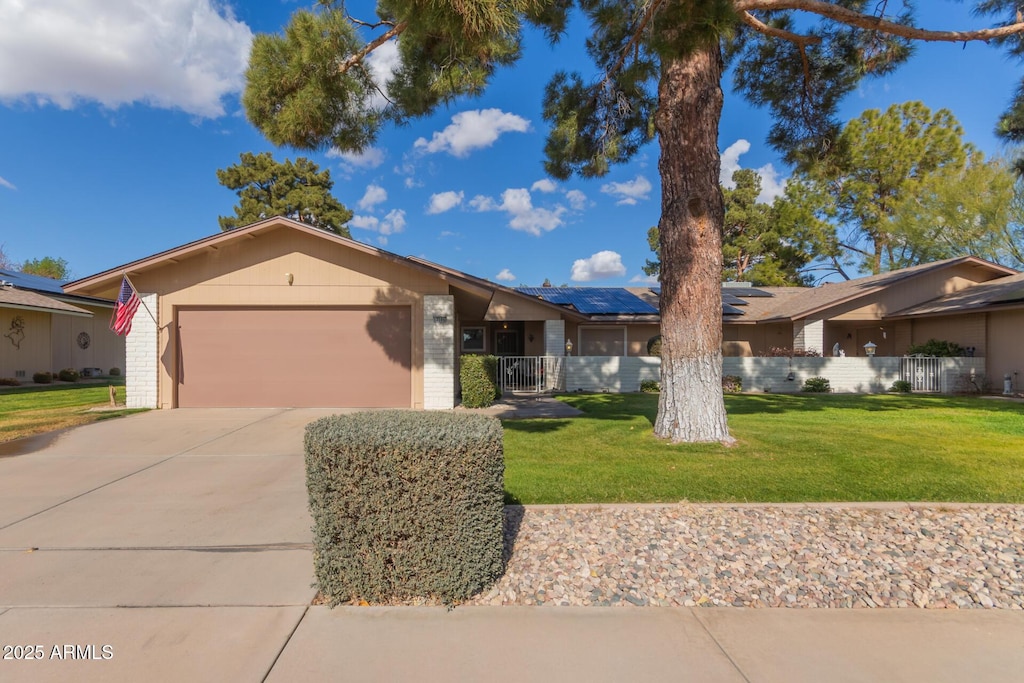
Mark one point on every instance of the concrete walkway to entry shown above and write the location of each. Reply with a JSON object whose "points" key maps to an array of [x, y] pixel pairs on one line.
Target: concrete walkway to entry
{"points": [[175, 545]]}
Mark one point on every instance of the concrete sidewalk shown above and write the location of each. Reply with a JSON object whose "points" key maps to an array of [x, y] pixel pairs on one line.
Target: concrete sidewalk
{"points": [[175, 546]]}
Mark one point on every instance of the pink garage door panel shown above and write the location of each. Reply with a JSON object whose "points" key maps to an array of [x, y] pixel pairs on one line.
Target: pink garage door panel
{"points": [[295, 357]]}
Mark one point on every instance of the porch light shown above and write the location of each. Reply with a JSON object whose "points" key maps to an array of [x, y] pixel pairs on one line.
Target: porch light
{"points": [[869, 349], [568, 347]]}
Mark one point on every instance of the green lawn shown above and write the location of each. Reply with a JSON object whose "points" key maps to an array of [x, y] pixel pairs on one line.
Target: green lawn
{"points": [[791, 448], [25, 411]]}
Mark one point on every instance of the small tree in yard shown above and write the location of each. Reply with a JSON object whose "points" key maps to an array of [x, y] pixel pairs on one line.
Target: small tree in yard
{"points": [[660, 65]]}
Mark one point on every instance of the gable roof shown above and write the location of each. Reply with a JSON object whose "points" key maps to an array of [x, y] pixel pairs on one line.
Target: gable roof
{"points": [[12, 297], [800, 302], [1007, 292]]}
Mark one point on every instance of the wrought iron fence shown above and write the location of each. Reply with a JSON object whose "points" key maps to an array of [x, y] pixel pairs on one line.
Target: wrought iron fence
{"points": [[924, 374], [531, 374]]}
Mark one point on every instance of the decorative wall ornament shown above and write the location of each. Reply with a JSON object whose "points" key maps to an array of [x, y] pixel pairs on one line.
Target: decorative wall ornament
{"points": [[17, 332], [84, 340]]}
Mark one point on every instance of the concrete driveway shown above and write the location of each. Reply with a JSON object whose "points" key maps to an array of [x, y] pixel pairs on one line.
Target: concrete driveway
{"points": [[197, 515]]}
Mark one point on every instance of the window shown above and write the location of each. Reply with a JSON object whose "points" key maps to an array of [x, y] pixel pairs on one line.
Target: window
{"points": [[473, 339]]}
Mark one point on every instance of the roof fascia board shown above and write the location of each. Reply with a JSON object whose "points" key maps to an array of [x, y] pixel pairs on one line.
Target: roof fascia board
{"points": [[43, 309]]}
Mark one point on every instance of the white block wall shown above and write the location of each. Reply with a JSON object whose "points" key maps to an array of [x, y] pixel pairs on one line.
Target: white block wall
{"points": [[845, 375], [141, 354], [438, 352], [613, 374], [554, 337]]}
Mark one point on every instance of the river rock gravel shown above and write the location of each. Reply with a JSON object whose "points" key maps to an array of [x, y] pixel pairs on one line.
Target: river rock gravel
{"points": [[811, 556]]}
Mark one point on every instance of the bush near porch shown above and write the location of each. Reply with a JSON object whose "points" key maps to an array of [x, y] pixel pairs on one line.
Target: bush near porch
{"points": [[792, 448]]}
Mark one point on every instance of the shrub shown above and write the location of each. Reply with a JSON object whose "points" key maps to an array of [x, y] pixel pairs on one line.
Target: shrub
{"points": [[114, 372], [732, 383], [405, 504], [934, 347], [9, 382], [654, 346], [901, 386], [478, 377], [650, 386], [68, 375], [42, 377], [786, 352], [818, 385]]}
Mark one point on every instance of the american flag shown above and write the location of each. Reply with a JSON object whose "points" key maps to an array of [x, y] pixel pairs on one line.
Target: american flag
{"points": [[124, 310]]}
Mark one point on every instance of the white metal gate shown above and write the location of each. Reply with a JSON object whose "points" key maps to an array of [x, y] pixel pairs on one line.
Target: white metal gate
{"points": [[924, 374], [531, 374]]}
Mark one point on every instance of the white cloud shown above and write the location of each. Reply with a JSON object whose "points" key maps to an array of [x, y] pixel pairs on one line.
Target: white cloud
{"points": [[382, 240], [365, 222], [577, 200], [444, 201], [6, 183], [383, 63], [369, 158], [474, 129], [731, 162], [172, 54], [524, 216], [600, 266], [393, 223], [644, 279], [629, 192], [506, 276], [448, 233], [375, 194], [772, 185], [544, 185]]}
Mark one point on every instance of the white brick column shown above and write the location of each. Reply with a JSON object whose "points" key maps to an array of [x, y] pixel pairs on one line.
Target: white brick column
{"points": [[554, 337], [809, 334], [141, 353], [438, 352]]}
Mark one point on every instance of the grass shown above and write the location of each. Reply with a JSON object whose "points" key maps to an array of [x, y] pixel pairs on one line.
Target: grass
{"points": [[791, 448], [26, 411]]}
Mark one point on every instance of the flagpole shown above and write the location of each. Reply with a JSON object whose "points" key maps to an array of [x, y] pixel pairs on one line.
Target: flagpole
{"points": [[152, 317]]}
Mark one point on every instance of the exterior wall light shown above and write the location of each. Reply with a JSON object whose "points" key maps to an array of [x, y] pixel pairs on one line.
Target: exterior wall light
{"points": [[869, 349], [289, 278], [568, 347]]}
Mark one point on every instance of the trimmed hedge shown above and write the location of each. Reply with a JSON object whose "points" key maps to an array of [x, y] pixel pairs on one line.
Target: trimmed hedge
{"points": [[405, 504], [650, 386], [817, 385], [732, 384], [42, 378], [478, 378]]}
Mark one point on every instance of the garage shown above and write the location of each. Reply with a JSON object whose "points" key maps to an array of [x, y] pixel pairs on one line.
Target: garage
{"points": [[344, 357]]}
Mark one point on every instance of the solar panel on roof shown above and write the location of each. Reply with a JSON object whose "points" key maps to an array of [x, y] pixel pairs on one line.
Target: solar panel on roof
{"points": [[734, 300], [36, 282], [593, 300], [730, 310]]}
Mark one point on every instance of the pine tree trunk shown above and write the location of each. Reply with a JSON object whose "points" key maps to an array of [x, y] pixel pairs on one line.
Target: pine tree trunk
{"points": [[691, 407]]}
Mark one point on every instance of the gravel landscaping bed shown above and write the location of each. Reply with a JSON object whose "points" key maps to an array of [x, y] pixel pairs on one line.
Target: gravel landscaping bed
{"points": [[764, 556]]}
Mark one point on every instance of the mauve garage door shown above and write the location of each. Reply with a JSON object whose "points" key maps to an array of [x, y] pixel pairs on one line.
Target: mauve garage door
{"points": [[295, 357]]}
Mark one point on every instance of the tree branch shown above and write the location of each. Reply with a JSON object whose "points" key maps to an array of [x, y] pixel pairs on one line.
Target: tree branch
{"points": [[872, 23], [634, 41], [371, 46], [800, 41]]}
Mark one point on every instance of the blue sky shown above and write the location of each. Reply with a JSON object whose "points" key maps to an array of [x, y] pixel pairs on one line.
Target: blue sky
{"points": [[116, 115]]}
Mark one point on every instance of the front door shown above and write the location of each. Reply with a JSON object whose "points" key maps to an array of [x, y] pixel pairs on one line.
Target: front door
{"points": [[506, 343]]}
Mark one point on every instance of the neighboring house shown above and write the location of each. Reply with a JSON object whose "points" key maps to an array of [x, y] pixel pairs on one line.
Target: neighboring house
{"points": [[43, 329], [278, 313]]}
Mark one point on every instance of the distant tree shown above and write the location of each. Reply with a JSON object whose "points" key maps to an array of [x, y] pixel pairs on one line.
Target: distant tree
{"points": [[959, 212], [653, 268], [5, 262], [761, 243], [764, 244], [298, 190], [546, 283], [659, 68], [56, 268], [883, 161]]}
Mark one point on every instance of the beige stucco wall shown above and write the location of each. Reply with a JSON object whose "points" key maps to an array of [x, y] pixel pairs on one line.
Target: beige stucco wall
{"points": [[253, 272], [965, 330], [505, 306], [105, 351], [32, 352], [1005, 348], [759, 337], [911, 292]]}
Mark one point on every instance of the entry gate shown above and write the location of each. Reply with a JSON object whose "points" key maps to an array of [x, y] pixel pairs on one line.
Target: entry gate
{"points": [[924, 374], [530, 374]]}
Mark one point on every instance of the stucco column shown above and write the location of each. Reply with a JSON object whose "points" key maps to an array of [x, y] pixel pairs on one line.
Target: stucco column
{"points": [[809, 334], [438, 352], [554, 337], [141, 354]]}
